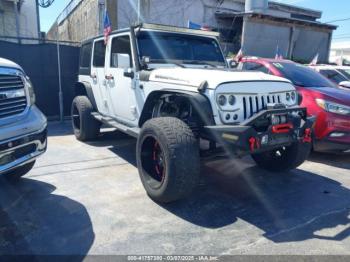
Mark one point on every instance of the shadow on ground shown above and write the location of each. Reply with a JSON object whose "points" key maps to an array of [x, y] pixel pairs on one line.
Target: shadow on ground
{"points": [[33, 220], [292, 206], [340, 161]]}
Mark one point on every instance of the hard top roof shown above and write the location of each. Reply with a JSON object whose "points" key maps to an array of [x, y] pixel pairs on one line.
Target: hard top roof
{"points": [[158, 27]]}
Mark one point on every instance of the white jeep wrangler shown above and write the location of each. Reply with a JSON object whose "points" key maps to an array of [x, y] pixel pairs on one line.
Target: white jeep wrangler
{"points": [[170, 87]]}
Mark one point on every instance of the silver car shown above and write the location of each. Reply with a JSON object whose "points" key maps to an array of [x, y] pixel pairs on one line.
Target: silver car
{"points": [[23, 127]]}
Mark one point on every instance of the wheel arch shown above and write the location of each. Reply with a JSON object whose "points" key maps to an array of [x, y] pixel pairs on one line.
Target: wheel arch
{"points": [[199, 102], [85, 89]]}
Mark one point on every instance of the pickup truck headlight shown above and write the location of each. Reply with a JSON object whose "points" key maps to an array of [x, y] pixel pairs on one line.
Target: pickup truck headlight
{"points": [[333, 107], [30, 90]]}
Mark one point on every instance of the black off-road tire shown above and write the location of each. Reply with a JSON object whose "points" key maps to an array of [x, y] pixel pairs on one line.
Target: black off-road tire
{"points": [[85, 126], [17, 173], [168, 159], [289, 158]]}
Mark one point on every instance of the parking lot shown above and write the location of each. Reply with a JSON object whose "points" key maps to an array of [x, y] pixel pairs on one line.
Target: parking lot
{"points": [[88, 199]]}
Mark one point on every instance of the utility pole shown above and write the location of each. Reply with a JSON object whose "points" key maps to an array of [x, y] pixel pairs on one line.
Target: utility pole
{"points": [[15, 7], [60, 92], [138, 11]]}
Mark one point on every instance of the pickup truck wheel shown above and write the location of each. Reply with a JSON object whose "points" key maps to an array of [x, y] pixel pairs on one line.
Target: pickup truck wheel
{"points": [[17, 173], [85, 126], [283, 159], [167, 159]]}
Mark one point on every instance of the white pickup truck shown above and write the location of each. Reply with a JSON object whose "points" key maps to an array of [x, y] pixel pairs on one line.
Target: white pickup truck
{"points": [[171, 87]]}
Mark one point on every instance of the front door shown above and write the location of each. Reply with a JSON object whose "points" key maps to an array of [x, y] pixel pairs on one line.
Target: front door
{"points": [[98, 77], [121, 89]]}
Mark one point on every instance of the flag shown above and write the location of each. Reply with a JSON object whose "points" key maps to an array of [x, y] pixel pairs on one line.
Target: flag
{"points": [[315, 60], [195, 26], [107, 27], [239, 56], [278, 55]]}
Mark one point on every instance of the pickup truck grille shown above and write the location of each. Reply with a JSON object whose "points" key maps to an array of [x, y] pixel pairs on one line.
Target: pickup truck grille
{"points": [[256, 103], [9, 104]]}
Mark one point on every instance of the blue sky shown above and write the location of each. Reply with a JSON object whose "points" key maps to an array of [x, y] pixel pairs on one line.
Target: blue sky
{"points": [[332, 10]]}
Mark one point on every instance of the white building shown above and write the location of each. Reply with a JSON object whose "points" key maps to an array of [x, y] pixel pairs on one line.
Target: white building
{"points": [[340, 51], [19, 19]]}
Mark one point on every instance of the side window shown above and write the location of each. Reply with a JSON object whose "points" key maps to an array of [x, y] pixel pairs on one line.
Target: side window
{"points": [[99, 54], [85, 55], [121, 45], [255, 67]]}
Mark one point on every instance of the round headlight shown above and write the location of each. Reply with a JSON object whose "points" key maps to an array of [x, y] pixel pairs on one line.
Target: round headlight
{"points": [[231, 100], [294, 96], [222, 100], [288, 96]]}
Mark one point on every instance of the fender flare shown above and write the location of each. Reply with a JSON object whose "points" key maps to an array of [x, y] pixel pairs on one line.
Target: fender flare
{"points": [[200, 103], [85, 89]]}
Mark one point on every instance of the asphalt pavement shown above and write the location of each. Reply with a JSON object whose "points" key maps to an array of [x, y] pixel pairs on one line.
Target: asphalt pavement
{"points": [[87, 198]]}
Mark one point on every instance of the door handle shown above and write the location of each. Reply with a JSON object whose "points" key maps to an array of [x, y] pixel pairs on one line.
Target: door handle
{"points": [[110, 77]]}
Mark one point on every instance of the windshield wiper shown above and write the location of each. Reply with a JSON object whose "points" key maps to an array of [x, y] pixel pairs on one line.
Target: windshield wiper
{"points": [[197, 62], [164, 61]]}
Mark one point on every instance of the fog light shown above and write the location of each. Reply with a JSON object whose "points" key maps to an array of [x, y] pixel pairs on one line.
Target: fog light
{"points": [[337, 134]]}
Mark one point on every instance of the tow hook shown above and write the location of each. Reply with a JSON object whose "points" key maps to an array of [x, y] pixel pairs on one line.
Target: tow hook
{"points": [[307, 136], [254, 143]]}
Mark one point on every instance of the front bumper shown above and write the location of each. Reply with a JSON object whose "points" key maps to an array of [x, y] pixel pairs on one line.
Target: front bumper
{"points": [[327, 125], [250, 138], [22, 140], [22, 150]]}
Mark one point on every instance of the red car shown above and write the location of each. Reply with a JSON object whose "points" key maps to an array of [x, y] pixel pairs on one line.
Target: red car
{"points": [[322, 98]]}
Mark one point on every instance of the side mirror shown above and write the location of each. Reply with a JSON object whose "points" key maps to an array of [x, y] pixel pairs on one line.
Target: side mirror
{"points": [[121, 61], [129, 73], [232, 63], [345, 84]]}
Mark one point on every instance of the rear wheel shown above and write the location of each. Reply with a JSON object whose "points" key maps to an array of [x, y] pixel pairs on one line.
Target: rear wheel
{"points": [[17, 173], [284, 158], [167, 159], [85, 126]]}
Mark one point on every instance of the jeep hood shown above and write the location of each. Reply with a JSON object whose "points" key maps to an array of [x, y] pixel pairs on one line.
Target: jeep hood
{"points": [[195, 77]]}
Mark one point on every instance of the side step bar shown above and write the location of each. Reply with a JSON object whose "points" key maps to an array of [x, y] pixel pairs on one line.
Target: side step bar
{"points": [[132, 131]]}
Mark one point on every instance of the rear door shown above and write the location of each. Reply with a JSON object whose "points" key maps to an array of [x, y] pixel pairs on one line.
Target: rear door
{"points": [[98, 76]]}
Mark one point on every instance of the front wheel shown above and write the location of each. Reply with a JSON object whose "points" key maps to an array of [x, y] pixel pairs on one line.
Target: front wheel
{"points": [[85, 126], [167, 159], [284, 158]]}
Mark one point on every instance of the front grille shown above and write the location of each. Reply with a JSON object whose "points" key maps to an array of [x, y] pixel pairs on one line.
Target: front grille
{"points": [[255, 103], [11, 105]]}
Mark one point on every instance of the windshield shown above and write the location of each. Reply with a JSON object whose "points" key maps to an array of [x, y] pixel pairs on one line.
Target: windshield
{"points": [[333, 75], [302, 76], [162, 47], [345, 72]]}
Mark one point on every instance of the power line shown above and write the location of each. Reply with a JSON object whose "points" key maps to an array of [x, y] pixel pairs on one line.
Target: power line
{"points": [[338, 20]]}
